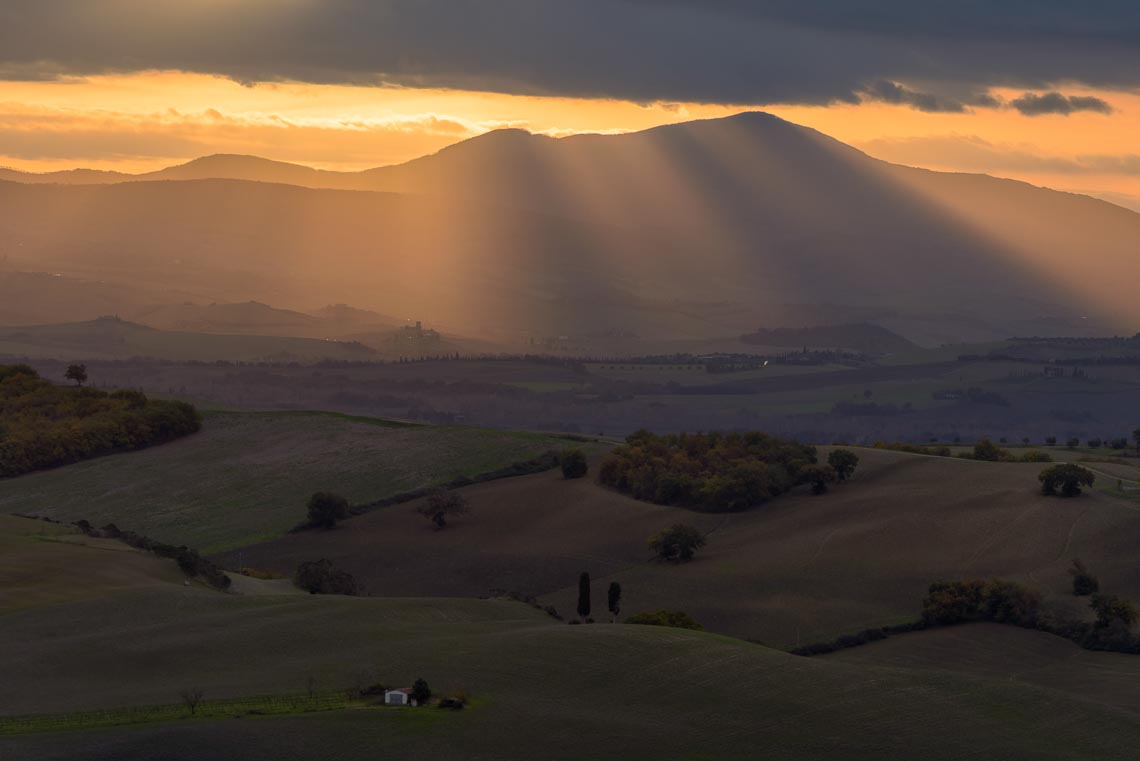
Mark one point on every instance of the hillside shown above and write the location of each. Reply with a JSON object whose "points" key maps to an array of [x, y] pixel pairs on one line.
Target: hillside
{"points": [[519, 233], [800, 570], [540, 688], [247, 476], [864, 337]]}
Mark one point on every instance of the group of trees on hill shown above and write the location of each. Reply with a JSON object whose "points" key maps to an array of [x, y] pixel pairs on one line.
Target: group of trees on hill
{"points": [[710, 472], [43, 425]]}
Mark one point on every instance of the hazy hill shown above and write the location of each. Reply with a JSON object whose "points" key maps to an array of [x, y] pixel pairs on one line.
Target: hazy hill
{"points": [[112, 338], [865, 337], [250, 317], [512, 231]]}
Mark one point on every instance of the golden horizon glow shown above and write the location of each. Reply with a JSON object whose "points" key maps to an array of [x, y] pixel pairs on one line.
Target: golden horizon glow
{"points": [[150, 120]]}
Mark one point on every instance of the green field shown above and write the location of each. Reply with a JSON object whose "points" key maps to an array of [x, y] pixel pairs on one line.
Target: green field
{"points": [[247, 476], [542, 689]]}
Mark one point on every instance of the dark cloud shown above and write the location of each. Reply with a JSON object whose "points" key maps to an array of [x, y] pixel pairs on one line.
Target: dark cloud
{"points": [[891, 92], [1034, 104], [728, 51]]}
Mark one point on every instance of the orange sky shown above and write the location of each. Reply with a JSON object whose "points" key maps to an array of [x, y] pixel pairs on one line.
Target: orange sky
{"points": [[149, 120]]}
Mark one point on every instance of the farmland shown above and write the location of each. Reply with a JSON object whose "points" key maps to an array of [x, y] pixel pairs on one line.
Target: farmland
{"points": [[540, 688], [246, 476], [799, 570]]}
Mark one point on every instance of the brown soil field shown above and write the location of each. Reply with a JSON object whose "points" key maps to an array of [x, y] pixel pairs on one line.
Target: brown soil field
{"points": [[798, 570]]}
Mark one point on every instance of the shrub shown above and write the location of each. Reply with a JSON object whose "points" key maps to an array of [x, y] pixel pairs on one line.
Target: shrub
{"points": [[1067, 478], [819, 476], [1113, 611], [677, 544], [672, 618], [442, 504], [956, 602], [321, 577], [325, 509], [844, 462], [1084, 583], [1035, 455], [573, 463]]}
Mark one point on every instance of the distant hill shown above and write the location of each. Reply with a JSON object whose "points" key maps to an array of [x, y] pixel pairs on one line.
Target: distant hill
{"points": [[247, 318], [112, 338], [681, 231], [863, 337]]}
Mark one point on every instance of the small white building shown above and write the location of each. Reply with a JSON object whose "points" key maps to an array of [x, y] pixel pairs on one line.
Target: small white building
{"points": [[400, 697]]}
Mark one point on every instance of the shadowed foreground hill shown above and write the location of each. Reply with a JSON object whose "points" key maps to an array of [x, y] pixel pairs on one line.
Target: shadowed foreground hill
{"points": [[798, 570], [541, 689]]}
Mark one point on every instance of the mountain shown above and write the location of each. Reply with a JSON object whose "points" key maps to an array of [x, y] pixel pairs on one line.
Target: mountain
{"points": [[689, 230]]}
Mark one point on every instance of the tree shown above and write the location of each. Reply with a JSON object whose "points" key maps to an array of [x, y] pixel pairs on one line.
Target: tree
{"points": [[677, 543], [77, 373], [191, 698], [1073, 442], [1084, 583], [819, 476], [326, 508], [573, 463], [584, 596], [1068, 478], [321, 577], [613, 600], [1050, 441], [1112, 610], [421, 693], [1136, 438], [844, 461], [442, 504]]}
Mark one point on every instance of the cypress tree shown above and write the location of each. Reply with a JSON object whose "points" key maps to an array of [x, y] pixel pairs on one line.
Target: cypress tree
{"points": [[584, 595], [614, 600]]}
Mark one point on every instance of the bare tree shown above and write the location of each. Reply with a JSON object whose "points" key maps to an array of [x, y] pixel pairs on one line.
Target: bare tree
{"points": [[192, 697]]}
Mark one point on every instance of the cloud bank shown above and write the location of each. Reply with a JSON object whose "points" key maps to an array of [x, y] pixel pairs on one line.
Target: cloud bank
{"points": [[704, 51]]}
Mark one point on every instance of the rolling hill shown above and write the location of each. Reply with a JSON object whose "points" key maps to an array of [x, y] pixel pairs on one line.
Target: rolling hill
{"points": [[651, 232], [540, 688], [803, 569]]}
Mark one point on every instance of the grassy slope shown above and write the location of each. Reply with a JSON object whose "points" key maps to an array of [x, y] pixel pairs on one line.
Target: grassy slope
{"points": [[799, 570], [1012, 654], [544, 689], [44, 564], [247, 476]]}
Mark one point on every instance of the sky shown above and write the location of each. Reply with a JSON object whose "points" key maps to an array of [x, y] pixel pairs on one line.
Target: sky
{"points": [[1045, 90]]}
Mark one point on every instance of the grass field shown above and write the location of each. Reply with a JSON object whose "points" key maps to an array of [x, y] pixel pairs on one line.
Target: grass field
{"points": [[44, 564], [544, 690], [802, 569], [541, 689], [247, 476], [1012, 654]]}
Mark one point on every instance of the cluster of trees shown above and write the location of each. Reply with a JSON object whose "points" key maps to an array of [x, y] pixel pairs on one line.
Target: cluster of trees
{"points": [[43, 425], [711, 472], [677, 544], [441, 505], [1006, 602]]}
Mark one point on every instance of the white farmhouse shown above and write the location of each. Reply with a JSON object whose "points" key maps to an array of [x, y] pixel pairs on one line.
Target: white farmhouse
{"points": [[400, 697]]}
